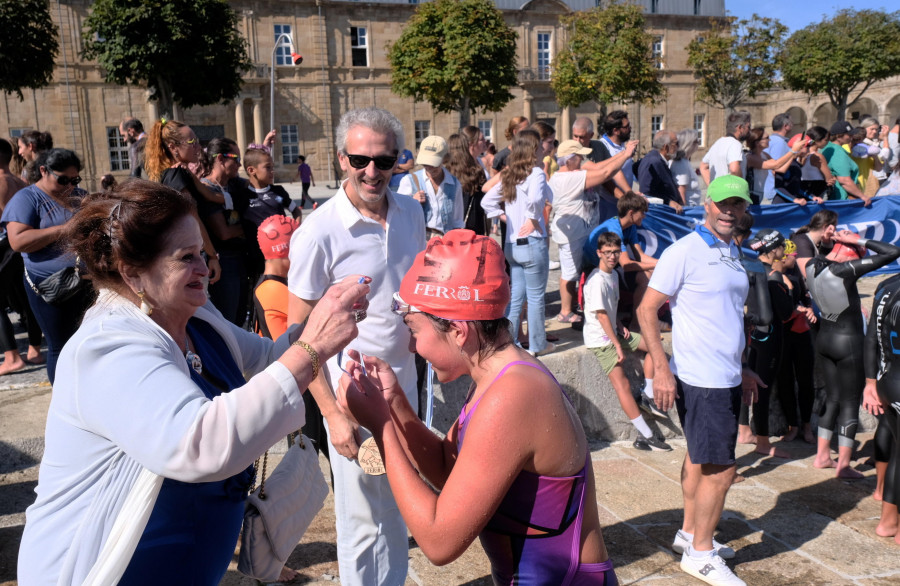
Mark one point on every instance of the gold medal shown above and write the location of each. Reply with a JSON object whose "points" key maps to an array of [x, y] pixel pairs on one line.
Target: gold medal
{"points": [[370, 458]]}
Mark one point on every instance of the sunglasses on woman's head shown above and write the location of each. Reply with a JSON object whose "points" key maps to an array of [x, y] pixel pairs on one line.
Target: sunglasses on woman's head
{"points": [[382, 163], [65, 179], [237, 158]]}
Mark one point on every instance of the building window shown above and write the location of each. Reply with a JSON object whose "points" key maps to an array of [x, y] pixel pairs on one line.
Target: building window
{"points": [[16, 133], [290, 144], [359, 46], [118, 150], [700, 127], [285, 46], [658, 52], [487, 129], [654, 6], [423, 129], [543, 56], [413, 1], [207, 132], [656, 124], [697, 7]]}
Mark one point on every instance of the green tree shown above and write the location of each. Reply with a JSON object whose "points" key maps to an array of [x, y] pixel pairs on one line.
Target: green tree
{"points": [[736, 59], [609, 58], [28, 45], [458, 55], [843, 56], [189, 53]]}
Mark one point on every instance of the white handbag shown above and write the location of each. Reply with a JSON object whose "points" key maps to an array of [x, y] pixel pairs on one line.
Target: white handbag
{"points": [[280, 510]]}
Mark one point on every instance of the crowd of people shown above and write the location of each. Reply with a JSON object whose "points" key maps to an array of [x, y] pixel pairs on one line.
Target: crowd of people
{"points": [[168, 307]]}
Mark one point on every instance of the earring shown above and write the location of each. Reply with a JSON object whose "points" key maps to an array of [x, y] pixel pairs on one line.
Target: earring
{"points": [[145, 307]]}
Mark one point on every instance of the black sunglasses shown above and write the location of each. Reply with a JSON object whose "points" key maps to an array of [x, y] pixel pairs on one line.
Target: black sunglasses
{"points": [[382, 163], [65, 179]]}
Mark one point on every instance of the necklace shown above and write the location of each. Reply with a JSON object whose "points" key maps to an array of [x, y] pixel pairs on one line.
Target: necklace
{"points": [[193, 359]]}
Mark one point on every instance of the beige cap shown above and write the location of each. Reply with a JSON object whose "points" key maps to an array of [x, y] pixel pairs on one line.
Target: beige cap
{"points": [[432, 151], [571, 147]]}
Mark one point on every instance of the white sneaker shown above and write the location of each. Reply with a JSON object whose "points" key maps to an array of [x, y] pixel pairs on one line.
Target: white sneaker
{"points": [[554, 264], [711, 569], [681, 543]]}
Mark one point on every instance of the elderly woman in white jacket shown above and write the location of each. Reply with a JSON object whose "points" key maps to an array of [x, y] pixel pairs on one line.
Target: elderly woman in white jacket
{"points": [[158, 393]]}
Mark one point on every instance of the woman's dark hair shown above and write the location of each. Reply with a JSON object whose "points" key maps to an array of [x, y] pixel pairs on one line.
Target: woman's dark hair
{"points": [[129, 224], [744, 225], [754, 136], [519, 163], [57, 160], [301, 159], [463, 166], [492, 335], [819, 221], [817, 133], [107, 182], [216, 147], [41, 141]]}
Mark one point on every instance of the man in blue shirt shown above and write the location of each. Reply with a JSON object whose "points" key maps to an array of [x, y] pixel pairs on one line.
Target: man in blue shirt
{"points": [[778, 147], [405, 163]]}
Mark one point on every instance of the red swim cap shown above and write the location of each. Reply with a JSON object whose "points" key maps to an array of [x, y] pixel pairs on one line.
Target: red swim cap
{"points": [[459, 276], [274, 236], [848, 250]]}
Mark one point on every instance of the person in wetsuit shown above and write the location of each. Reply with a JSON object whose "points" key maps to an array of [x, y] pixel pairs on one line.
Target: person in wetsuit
{"points": [[839, 344], [529, 496], [766, 342], [881, 397]]}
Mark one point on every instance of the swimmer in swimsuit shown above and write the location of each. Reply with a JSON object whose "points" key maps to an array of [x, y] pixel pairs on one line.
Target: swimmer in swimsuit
{"points": [[520, 478], [839, 344]]}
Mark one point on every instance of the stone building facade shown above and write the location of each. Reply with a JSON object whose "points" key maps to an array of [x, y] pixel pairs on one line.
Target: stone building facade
{"points": [[345, 66]]}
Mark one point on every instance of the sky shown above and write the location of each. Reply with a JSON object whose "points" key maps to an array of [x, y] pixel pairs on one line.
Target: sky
{"points": [[796, 14]]}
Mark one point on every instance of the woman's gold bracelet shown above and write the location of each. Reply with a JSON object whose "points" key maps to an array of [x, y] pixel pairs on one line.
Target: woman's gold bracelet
{"points": [[313, 356]]}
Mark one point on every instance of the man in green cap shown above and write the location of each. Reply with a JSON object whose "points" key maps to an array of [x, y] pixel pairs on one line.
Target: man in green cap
{"points": [[702, 277]]}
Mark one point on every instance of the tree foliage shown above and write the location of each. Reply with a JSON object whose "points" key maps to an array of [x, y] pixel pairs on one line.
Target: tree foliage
{"points": [[28, 45], [189, 53], [843, 56], [736, 59], [608, 58], [458, 55]]}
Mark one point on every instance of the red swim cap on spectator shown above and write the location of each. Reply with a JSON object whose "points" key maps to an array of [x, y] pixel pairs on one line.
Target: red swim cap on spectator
{"points": [[274, 236], [459, 276]]}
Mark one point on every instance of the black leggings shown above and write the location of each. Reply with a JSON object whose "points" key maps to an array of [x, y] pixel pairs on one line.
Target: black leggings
{"points": [[764, 360], [883, 440], [889, 392], [12, 294], [840, 356], [796, 365]]}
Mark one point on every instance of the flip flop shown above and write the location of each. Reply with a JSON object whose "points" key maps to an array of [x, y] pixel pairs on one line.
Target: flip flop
{"points": [[570, 318]]}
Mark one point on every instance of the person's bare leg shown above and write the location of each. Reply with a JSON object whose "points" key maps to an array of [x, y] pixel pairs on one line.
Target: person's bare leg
{"points": [[12, 361], [287, 574], [763, 446], [623, 392], [709, 501], [567, 292], [791, 435], [808, 435], [880, 471], [745, 435], [34, 355], [641, 281], [888, 525], [690, 478], [823, 454], [843, 464]]}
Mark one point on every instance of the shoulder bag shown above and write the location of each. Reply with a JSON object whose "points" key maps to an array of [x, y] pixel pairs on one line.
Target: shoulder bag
{"points": [[60, 286], [280, 510]]}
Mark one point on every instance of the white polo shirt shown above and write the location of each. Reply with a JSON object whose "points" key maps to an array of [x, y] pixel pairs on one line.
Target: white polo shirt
{"points": [[706, 296], [336, 241], [722, 153]]}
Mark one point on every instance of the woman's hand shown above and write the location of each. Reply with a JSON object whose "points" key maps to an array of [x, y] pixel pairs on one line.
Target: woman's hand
{"points": [[215, 269], [845, 237], [269, 141], [379, 374], [332, 322], [528, 226], [871, 402], [361, 397]]}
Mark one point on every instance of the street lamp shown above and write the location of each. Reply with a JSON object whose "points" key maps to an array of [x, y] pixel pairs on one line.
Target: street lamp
{"points": [[297, 59]]}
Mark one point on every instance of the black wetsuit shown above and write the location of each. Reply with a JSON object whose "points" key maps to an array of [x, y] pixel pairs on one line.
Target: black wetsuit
{"points": [[797, 359], [882, 362], [839, 343], [765, 350]]}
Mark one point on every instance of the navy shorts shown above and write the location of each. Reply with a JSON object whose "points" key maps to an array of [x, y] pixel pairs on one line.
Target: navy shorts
{"points": [[709, 418]]}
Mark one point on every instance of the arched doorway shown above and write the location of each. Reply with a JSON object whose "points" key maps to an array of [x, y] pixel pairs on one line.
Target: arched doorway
{"points": [[825, 115], [862, 108], [798, 117], [892, 111]]}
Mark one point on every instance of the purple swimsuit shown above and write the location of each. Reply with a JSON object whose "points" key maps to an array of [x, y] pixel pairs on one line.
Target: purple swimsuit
{"points": [[534, 536]]}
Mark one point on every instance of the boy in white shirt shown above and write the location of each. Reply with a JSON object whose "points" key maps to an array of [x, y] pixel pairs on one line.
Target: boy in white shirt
{"points": [[601, 336]]}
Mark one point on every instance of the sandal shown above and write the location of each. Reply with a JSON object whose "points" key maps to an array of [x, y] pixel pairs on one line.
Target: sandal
{"points": [[570, 318]]}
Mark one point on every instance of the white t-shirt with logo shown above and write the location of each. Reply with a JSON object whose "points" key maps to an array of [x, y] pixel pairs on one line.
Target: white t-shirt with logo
{"points": [[722, 153], [601, 292], [707, 288]]}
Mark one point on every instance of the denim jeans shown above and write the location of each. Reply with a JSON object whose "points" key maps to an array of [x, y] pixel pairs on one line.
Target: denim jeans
{"points": [[529, 269]]}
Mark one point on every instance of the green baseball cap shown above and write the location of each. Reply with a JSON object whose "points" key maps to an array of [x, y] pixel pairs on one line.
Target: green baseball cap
{"points": [[726, 186]]}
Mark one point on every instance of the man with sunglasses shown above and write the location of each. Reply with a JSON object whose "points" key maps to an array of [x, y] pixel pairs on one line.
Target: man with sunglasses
{"points": [[707, 287], [364, 229]]}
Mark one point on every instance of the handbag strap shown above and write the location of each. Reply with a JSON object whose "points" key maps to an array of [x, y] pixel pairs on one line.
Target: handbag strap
{"points": [[293, 437]]}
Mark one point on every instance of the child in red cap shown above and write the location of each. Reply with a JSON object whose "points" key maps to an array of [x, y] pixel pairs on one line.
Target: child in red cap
{"points": [[523, 482], [270, 297]]}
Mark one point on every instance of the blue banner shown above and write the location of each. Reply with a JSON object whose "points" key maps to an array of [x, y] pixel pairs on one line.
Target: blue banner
{"points": [[880, 221]]}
